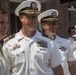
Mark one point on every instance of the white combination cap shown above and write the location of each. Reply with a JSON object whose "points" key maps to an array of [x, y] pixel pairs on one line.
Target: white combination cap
{"points": [[49, 15], [34, 6]]}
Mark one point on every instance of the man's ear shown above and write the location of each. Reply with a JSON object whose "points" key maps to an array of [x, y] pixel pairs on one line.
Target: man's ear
{"points": [[45, 26], [22, 17]]}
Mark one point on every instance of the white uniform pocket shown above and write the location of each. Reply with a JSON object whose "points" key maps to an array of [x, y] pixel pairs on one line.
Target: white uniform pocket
{"points": [[18, 56], [64, 54], [42, 54]]}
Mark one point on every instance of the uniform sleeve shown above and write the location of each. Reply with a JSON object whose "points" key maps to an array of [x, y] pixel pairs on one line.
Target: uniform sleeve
{"points": [[3, 67], [55, 56], [7, 56], [70, 55], [74, 54], [73, 45]]}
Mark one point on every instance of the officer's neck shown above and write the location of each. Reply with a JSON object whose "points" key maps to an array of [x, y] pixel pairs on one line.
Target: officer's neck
{"points": [[28, 33]]}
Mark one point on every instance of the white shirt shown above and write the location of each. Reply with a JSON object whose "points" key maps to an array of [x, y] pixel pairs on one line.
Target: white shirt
{"points": [[3, 66], [73, 45], [71, 39], [31, 56], [66, 53]]}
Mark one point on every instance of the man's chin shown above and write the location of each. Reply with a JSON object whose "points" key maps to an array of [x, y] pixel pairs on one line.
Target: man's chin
{"points": [[32, 29]]}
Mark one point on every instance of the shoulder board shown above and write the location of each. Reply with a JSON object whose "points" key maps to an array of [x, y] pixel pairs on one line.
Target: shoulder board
{"points": [[8, 38]]}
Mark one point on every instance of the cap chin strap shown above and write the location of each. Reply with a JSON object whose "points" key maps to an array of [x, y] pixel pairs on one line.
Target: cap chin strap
{"points": [[30, 12], [50, 19]]}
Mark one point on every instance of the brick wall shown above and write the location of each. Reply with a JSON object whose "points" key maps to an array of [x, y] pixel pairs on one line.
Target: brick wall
{"points": [[64, 18], [63, 15]]}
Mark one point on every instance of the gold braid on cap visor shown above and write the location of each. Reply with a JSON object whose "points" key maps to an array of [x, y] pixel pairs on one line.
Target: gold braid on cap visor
{"points": [[30, 11], [50, 19]]}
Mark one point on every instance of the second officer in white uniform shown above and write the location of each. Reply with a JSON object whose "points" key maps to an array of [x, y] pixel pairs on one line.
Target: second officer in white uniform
{"points": [[49, 24]]}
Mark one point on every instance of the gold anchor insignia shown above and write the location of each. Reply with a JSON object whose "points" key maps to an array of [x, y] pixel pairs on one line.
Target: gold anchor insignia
{"points": [[16, 46], [52, 37]]}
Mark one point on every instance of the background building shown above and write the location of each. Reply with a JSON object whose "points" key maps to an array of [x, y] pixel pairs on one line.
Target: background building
{"points": [[66, 8]]}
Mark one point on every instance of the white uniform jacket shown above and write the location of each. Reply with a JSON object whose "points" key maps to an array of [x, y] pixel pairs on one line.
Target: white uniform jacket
{"points": [[66, 53], [73, 46], [31, 56], [3, 67], [71, 39]]}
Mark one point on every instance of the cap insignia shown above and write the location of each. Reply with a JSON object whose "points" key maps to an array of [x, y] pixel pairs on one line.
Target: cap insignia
{"points": [[54, 14], [33, 5]]}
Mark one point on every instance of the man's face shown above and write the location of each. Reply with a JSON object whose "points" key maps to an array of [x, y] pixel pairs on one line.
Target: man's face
{"points": [[3, 24], [52, 27], [29, 21], [72, 32]]}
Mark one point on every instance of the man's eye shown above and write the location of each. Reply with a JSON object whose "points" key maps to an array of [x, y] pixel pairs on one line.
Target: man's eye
{"points": [[1, 22]]}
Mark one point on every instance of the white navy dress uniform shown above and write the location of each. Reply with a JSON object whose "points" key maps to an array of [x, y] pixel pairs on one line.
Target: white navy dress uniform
{"points": [[71, 39], [63, 45], [30, 56], [49, 15], [73, 45], [3, 66], [66, 53]]}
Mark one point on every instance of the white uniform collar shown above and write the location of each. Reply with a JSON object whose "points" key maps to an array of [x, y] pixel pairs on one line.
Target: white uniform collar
{"points": [[58, 39], [28, 39]]}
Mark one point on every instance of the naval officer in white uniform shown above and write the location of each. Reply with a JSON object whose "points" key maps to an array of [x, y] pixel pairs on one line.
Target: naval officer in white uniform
{"points": [[49, 24], [28, 52]]}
